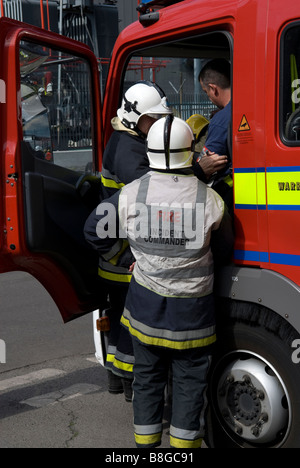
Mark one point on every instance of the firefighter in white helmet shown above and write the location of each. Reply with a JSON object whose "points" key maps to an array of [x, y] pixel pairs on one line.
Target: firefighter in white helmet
{"points": [[124, 160], [143, 98], [171, 220]]}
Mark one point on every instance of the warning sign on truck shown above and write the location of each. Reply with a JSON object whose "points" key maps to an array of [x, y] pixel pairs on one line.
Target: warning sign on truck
{"points": [[244, 125]]}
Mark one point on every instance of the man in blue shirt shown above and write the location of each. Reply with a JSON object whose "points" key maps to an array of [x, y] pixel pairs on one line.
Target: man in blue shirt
{"points": [[216, 141], [215, 158]]}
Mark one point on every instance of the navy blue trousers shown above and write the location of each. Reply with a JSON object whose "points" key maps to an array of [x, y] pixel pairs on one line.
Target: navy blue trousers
{"points": [[189, 369]]}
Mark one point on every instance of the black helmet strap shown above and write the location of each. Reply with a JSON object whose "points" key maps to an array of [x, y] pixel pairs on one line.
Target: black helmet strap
{"points": [[167, 138]]}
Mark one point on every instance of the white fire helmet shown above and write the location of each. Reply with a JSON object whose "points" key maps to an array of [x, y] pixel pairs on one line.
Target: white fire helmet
{"points": [[142, 98], [170, 144]]}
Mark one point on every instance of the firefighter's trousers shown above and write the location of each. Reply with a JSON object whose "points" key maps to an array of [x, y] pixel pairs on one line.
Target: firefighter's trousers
{"points": [[189, 383], [120, 357]]}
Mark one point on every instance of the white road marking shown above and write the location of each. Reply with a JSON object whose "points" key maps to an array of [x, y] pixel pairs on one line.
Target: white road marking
{"points": [[92, 359], [30, 378]]}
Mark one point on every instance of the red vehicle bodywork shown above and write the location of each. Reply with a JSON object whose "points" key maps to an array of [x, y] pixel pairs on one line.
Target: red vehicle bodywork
{"points": [[14, 252], [265, 238], [254, 383]]}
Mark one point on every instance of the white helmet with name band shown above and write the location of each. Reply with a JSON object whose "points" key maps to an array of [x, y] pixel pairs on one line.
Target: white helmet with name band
{"points": [[170, 144], [143, 98]]}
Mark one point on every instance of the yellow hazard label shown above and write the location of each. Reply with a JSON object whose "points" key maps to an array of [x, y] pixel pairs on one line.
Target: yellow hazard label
{"points": [[244, 125]]}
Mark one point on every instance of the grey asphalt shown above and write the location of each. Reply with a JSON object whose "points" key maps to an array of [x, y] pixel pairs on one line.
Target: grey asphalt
{"points": [[53, 392], [64, 403]]}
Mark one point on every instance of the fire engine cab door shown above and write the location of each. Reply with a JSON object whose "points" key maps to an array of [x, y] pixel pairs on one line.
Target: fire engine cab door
{"points": [[52, 161]]}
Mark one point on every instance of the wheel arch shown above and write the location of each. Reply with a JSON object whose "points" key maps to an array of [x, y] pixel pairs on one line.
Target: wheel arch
{"points": [[266, 290], [254, 315]]}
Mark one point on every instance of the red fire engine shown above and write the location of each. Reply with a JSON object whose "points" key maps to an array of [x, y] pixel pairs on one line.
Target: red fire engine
{"points": [[52, 138]]}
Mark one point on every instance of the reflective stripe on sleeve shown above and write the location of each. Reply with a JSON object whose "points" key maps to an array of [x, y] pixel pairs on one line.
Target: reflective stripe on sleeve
{"points": [[121, 363], [113, 273], [110, 181], [124, 362], [110, 356], [115, 251], [114, 276]]}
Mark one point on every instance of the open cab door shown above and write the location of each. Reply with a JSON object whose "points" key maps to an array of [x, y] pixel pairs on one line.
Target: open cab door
{"points": [[51, 146]]}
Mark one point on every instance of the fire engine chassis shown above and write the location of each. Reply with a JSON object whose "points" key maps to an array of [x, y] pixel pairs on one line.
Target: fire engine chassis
{"points": [[54, 126]]}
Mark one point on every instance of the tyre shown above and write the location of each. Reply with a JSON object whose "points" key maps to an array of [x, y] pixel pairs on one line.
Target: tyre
{"points": [[254, 385]]}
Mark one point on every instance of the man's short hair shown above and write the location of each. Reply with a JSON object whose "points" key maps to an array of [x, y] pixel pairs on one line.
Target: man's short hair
{"points": [[216, 72]]}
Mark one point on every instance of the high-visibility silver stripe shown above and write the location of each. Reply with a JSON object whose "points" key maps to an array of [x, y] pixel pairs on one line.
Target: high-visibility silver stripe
{"points": [[124, 357], [111, 349], [106, 266], [184, 434], [143, 189], [114, 251], [183, 273], [185, 335], [147, 430]]}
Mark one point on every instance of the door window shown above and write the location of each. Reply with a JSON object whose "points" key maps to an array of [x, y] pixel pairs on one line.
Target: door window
{"points": [[57, 159], [175, 67], [56, 107], [290, 85]]}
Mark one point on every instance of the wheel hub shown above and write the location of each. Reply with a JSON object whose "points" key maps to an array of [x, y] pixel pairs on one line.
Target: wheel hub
{"points": [[243, 401], [251, 401]]}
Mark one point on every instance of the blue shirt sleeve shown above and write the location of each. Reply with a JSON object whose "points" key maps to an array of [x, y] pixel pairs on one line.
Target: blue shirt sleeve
{"points": [[216, 140]]}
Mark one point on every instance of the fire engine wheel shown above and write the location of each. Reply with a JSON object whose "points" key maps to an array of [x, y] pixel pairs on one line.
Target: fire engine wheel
{"points": [[254, 391]]}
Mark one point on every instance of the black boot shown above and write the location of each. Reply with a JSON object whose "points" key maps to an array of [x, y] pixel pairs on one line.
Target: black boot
{"points": [[127, 387], [115, 385]]}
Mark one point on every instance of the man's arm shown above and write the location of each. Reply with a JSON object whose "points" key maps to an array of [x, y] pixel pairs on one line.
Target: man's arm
{"points": [[208, 165], [101, 229]]}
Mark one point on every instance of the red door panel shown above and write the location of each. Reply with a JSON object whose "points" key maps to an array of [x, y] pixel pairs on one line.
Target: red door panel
{"points": [[51, 146]]}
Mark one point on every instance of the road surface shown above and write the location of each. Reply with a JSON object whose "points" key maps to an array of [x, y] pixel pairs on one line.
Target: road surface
{"points": [[53, 392]]}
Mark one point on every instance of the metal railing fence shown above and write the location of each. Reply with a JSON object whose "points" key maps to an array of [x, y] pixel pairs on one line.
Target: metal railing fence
{"points": [[186, 105]]}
